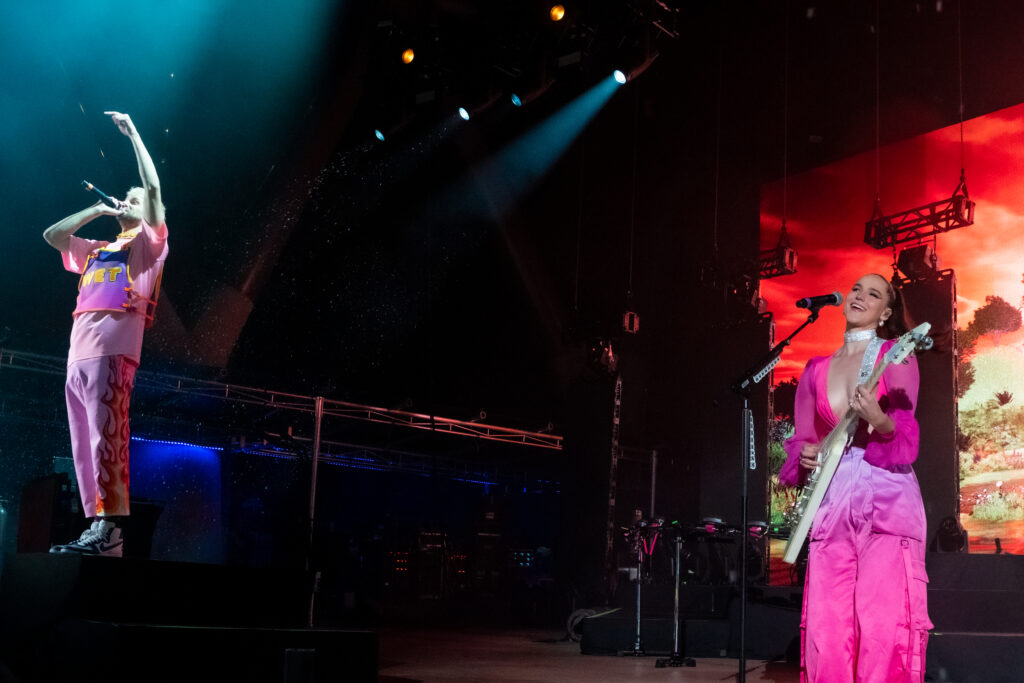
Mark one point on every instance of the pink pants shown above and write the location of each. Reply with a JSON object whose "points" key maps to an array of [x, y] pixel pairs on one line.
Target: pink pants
{"points": [[865, 614], [98, 391]]}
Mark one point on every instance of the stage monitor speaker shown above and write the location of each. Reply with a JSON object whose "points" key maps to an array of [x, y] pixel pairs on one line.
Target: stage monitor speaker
{"points": [[933, 300], [46, 514], [717, 429], [49, 515]]}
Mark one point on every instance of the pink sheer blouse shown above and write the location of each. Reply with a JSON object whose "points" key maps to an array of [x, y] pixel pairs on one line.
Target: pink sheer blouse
{"points": [[897, 396]]}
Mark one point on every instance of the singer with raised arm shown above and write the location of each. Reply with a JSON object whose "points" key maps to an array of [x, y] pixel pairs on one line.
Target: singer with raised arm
{"points": [[865, 614], [117, 289]]}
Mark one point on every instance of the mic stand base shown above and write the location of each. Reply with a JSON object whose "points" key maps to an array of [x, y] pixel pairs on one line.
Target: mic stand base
{"points": [[675, 661]]}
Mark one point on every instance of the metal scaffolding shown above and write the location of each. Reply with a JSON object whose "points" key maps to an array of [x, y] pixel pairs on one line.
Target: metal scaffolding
{"points": [[317, 406], [920, 222]]}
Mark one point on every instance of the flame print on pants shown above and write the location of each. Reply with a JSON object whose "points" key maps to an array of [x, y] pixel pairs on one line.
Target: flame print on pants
{"points": [[112, 456]]}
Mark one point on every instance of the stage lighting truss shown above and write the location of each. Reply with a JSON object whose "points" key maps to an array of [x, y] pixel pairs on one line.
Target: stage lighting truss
{"points": [[778, 261], [313, 405], [661, 15], [921, 222], [389, 459]]}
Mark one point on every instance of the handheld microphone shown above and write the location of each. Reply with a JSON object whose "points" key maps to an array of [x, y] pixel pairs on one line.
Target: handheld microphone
{"points": [[109, 201], [833, 299]]}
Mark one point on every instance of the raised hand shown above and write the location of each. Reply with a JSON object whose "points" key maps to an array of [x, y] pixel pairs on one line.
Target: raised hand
{"points": [[123, 122]]}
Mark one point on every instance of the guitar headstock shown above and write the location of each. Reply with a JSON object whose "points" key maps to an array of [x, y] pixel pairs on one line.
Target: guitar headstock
{"points": [[916, 339]]}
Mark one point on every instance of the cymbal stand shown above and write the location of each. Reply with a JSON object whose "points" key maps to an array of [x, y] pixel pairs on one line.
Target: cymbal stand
{"points": [[638, 536], [677, 658], [638, 646]]}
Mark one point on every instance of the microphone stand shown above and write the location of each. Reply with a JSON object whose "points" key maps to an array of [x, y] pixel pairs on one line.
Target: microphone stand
{"points": [[743, 386]]}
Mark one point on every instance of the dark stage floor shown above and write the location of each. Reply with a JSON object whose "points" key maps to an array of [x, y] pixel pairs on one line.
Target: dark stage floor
{"points": [[55, 611], [451, 655]]}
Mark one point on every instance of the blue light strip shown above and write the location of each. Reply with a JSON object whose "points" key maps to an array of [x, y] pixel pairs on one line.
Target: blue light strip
{"points": [[353, 462], [177, 443], [476, 481]]}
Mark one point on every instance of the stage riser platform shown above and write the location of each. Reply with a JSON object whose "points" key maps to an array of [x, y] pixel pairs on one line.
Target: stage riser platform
{"points": [[976, 657], [44, 588], [976, 611], [168, 621], [964, 571], [772, 632], [173, 654], [975, 601]]}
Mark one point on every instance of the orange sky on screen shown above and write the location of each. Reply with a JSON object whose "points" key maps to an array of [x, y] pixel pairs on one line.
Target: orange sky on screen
{"points": [[826, 209]]}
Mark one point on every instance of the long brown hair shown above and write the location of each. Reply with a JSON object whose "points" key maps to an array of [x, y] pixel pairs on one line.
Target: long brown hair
{"points": [[896, 324]]}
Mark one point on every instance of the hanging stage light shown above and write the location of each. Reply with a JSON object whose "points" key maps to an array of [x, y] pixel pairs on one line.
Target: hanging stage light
{"points": [[378, 134], [516, 101], [557, 12], [918, 262], [408, 55], [951, 537], [464, 113], [635, 66]]}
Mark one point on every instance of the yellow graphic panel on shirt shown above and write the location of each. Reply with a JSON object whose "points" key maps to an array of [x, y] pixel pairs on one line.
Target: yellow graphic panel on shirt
{"points": [[105, 284]]}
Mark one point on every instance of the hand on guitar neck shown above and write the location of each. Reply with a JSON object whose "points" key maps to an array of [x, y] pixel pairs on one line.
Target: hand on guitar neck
{"points": [[809, 456]]}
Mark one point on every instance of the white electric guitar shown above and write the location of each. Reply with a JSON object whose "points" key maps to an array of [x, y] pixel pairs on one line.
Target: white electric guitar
{"points": [[801, 516]]}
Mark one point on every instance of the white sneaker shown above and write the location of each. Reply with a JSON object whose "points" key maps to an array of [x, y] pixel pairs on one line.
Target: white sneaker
{"points": [[102, 538], [85, 534]]}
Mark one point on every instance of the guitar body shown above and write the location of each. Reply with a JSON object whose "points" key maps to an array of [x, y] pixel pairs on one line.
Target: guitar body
{"points": [[802, 515], [814, 490]]}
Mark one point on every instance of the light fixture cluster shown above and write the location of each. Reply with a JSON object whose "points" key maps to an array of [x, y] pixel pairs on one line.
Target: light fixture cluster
{"points": [[458, 65]]}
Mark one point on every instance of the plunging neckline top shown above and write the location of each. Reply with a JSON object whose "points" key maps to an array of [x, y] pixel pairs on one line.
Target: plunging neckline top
{"points": [[825, 407]]}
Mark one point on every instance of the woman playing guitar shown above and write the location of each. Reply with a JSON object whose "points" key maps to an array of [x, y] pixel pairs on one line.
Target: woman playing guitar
{"points": [[865, 600]]}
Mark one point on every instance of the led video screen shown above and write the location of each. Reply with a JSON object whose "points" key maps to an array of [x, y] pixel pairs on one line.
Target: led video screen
{"points": [[826, 211]]}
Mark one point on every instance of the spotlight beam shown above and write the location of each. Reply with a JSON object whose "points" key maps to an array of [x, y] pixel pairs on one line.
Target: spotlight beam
{"points": [[489, 193], [521, 163]]}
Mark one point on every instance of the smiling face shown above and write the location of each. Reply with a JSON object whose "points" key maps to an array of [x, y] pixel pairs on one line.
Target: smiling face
{"points": [[868, 303]]}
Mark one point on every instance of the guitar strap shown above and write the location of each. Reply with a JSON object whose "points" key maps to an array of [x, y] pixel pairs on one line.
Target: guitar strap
{"points": [[867, 365]]}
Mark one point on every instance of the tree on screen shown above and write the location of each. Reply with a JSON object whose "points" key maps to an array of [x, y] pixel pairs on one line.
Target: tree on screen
{"points": [[995, 317], [784, 398]]}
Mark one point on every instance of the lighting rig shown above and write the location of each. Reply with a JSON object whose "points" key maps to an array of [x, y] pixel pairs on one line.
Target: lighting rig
{"points": [[741, 282], [509, 53], [918, 224], [778, 261]]}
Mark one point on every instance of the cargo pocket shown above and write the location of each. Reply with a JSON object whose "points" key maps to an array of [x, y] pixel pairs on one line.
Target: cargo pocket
{"points": [[918, 623]]}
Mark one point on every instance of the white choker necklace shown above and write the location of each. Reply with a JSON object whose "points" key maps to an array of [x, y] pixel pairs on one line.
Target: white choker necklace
{"points": [[859, 335]]}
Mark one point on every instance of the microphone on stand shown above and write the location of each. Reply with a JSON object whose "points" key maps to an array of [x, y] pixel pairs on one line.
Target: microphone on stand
{"points": [[833, 299], [106, 199]]}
